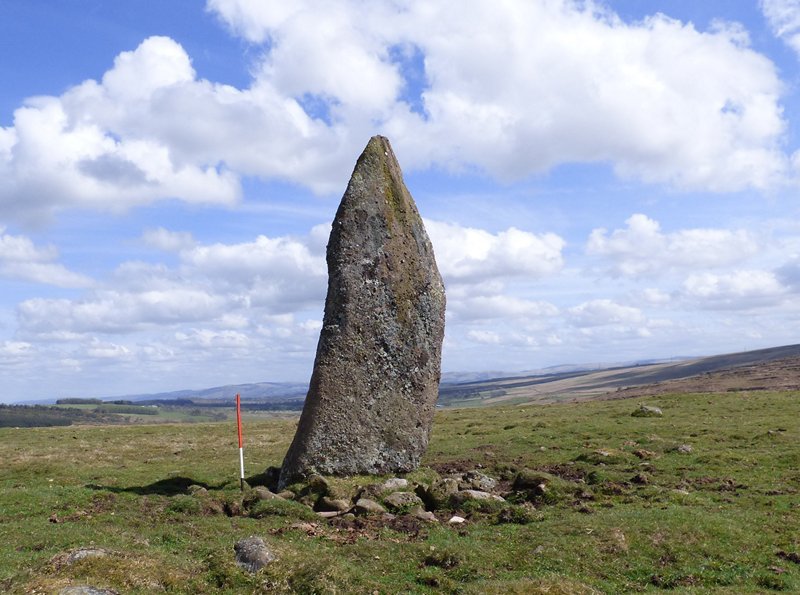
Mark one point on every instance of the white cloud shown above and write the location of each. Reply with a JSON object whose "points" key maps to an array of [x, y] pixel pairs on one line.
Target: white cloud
{"points": [[227, 286], [264, 258], [91, 147], [740, 289], [466, 254], [643, 249], [13, 352], [655, 296], [208, 338], [604, 312], [112, 311], [483, 336], [108, 351], [500, 307], [21, 259], [169, 241], [783, 17], [577, 84]]}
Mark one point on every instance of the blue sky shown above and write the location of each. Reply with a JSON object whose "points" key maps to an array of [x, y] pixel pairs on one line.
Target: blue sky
{"points": [[602, 182]]}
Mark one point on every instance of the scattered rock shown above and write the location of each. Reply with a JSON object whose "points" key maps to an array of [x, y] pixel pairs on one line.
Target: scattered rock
{"points": [[470, 495], [374, 386], [86, 590], [252, 554], [647, 411], [84, 553], [318, 485], [519, 515], [685, 449], [327, 503], [399, 500], [475, 480], [439, 493], [329, 514], [196, 490], [286, 494], [541, 487], [394, 484], [422, 514], [366, 506], [258, 494], [263, 493], [457, 520]]}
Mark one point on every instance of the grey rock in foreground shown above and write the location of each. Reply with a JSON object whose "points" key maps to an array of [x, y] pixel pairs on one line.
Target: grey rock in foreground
{"points": [[647, 411], [375, 381], [252, 554]]}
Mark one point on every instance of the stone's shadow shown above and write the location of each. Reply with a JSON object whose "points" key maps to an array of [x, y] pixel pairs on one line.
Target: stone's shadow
{"points": [[171, 486], [268, 479]]}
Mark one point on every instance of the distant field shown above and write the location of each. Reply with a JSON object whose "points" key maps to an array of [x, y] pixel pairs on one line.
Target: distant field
{"points": [[125, 414], [636, 513]]}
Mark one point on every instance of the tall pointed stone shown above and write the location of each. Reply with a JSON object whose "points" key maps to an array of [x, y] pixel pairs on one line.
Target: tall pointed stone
{"points": [[376, 375]]}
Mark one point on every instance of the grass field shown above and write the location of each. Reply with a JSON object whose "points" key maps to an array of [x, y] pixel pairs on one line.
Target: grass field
{"points": [[632, 512]]}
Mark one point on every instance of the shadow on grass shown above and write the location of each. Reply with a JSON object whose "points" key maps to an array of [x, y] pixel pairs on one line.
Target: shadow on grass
{"points": [[171, 486]]}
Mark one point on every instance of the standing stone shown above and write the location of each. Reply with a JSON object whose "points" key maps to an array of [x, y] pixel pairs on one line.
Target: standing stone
{"points": [[376, 375]]}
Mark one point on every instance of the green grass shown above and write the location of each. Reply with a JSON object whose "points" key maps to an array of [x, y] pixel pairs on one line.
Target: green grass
{"points": [[711, 520]]}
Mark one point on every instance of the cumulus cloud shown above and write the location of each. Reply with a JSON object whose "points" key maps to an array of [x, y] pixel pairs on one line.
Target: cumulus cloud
{"points": [[466, 254], [643, 249], [150, 129], [783, 17], [21, 259], [604, 312], [112, 311], [711, 120], [220, 283], [740, 289]]}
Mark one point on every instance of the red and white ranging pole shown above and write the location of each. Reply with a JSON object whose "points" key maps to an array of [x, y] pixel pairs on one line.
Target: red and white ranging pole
{"points": [[241, 443]]}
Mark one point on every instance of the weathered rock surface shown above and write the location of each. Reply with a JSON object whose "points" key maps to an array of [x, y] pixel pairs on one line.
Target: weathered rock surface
{"points": [[367, 506], [399, 500], [375, 381], [468, 495], [327, 504], [394, 483], [475, 480], [252, 554], [438, 495], [647, 411], [86, 590]]}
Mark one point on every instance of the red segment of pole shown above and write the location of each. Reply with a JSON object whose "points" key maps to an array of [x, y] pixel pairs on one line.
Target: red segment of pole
{"points": [[241, 449], [239, 419]]}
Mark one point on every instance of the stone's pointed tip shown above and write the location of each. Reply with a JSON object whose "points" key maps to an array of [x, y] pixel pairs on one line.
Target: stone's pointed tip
{"points": [[379, 142]]}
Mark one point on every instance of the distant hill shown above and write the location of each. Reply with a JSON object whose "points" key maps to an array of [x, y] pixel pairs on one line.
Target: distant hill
{"points": [[776, 368], [257, 391]]}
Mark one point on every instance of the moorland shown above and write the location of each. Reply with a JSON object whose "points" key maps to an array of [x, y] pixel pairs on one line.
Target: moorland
{"points": [[704, 498]]}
